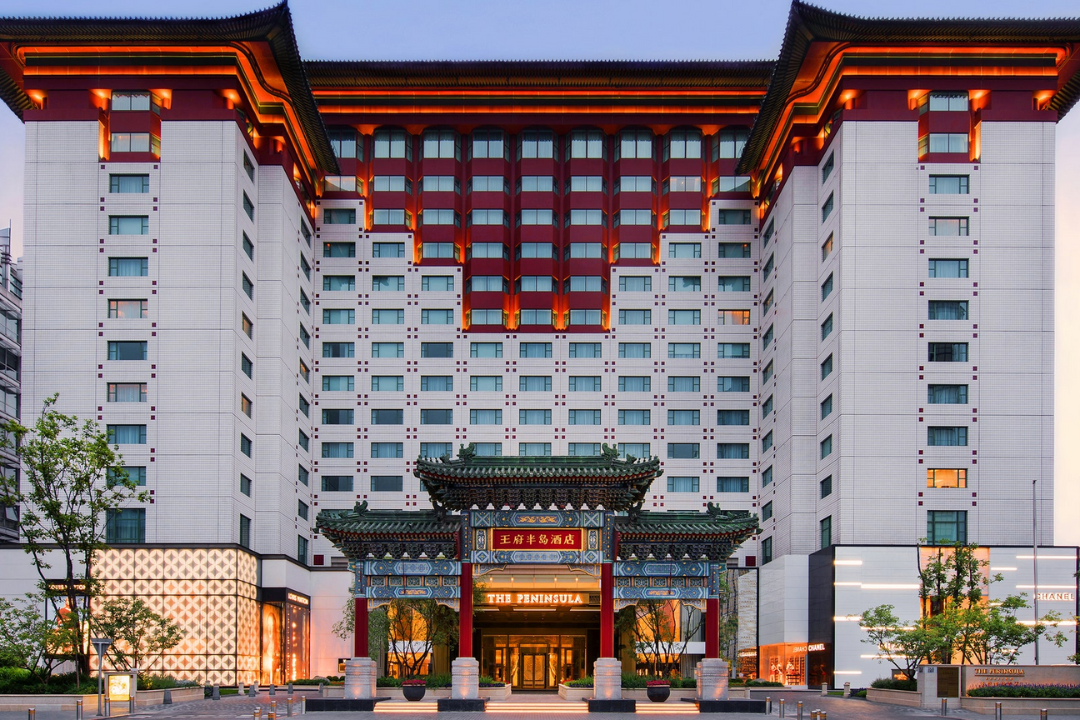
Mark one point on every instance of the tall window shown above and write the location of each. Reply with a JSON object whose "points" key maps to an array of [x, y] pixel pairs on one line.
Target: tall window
{"points": [[441, 144], [945, 527], [682, 144], [586, 144], [536, 144], [947, 310], [946, 436], [946, 478], [634, 144], [730, 143], [127, 525], [393, 144], [345, 143], [489, 144], [825, 527]]}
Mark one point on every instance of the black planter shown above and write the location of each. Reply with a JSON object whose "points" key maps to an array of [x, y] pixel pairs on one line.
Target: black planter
{"points": [[658, 693], [413, 693]]}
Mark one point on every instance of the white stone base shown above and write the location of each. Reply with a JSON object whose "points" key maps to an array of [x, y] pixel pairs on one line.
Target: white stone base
{"points": [[712, 679], [360, 678], [607, 679], [466, 679]]}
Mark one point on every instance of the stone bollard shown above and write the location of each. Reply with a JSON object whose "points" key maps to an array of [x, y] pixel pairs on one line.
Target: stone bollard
{"points": [[257, 713], [131, 703], [768, 705], [303, 704], [824, 689], [944, 707], [823, 715], [240, 689], [273, 689], [288, 707], [847, 689], [290, 689], [166, 697], [253, 690], [1043, 713], [216, 693], [997, 710]]}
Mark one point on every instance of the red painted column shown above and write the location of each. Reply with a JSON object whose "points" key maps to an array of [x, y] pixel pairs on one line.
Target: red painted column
{"points": [[712, 628], [360, 627], [607, 612], [465, 617]]}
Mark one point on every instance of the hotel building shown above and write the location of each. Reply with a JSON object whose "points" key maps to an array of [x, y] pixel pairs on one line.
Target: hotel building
{"points": [[819, 290]]}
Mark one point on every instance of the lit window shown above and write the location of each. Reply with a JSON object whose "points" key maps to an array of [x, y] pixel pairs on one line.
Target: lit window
{"points": [[946, 478]]}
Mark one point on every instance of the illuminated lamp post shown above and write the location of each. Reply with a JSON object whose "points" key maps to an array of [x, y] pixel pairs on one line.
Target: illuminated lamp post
{"points": [[100, 646]]}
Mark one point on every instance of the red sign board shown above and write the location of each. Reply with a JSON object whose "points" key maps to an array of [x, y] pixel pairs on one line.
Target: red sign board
{"points": [[530, 539]]}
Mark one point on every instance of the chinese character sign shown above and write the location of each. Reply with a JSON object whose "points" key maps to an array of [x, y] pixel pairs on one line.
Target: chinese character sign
{"points": [[536, 539]]}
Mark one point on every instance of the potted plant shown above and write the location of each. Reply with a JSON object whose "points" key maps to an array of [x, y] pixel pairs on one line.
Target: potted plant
{"points": [[658, 690], [414, 689]]}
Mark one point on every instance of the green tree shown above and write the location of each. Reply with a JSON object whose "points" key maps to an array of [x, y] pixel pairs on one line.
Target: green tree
{"points": [[140, 636], [72, 479], [415, 627], [661, 630], [904, 646], [28, 639], [378, 629]]}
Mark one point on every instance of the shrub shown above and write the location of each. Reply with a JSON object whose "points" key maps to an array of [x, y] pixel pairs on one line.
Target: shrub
{"points": [[309, 681], [894, 684], [440, 680], [386, 681], [163, 682], [763, 683], [583, 682], [486, 681], [633, 680], [1025, 690], [859, 694]]}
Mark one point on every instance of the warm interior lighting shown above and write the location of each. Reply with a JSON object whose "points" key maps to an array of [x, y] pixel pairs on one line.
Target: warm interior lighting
{"points": [[847, 562]]}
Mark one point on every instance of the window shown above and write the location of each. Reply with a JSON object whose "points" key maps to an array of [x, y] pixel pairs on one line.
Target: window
{"points": [[946, 436], [690, 317], [544, 251], [583, 417], [134, 100], [766, 551], [826, 367], [827, 327], [535, 283], [827, 287], [948, 184], [826, 447], [586, 144], [536, 144], [732, 484], [486, 350], [584, 350], [534, 417], [302, 474], [391, 217], [731, 250], [387, 317], [586, 183], [247, 286], [677, 383], [127, 350], [337, 283], [826, 407], [338, 383], [489, 449], [437, 283], [387, 250], [129, 225], [344, 143], [129, 267], [635, 317], [437, 216], [249, 249], [634, 144], [825, 487], [245, 531], [944, 102], [767, 373], [827, 168], [436, 417], [337, 449], [437, 383], [436, 449], [135, 142], [730, 143], [731, 183], [245, 484], [683, 451], [635, 350], [684, 218], [137, 184], [341, 183], [339, 317], [769, 265], [534, 449], [339, 249], [683, 484], [584, 383], [635, 383], [306, 233], [947, 352], [684, 350], [682, 144], [534, 350], [536, 317], [302, 512], [637, 450], [767, 407], [947, 394], [442, 144], [305, 302], [337, 417], [767, 442], [485, 417], [733, 350], [585, 283], [635, 183], [126, 434], [536, 217], [487, 283], [733, 383], [384, 416], [947, 310], [537, 383], [536, 183], [443, 250], [249, 207], [946, 478], [387, 283], [246, 366], [949, 226], [766, 511], [245, 445], [489, 144], [948, 269], [486, 383], [628, 251], [302, 549], [348, 350], [683, 417], [128, 309], [766, 476], [127, 525], [733, 283], [685, 283], [733, 317], [127, 392], [337, 483], [825, 527], [583, 449], [305, 406], [767, 338], [943, 143], [946, 527], [827, 208], [732, 217], [634, 417], [680, 250], [584, 317], [246, 406], [827, 247], [733, 451], [590, 217], [303, 440], [393, 144], [304, 267]]}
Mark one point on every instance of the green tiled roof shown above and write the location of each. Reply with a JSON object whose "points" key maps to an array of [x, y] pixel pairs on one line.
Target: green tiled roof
{"points": [[737, 525], [361, 522]]}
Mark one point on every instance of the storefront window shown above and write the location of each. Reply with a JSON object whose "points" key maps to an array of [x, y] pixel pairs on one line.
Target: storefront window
{"points": [[533, 662]]}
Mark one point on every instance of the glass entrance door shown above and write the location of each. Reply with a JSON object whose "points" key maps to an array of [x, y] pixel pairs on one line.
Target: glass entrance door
{"points": [[533, 668]]}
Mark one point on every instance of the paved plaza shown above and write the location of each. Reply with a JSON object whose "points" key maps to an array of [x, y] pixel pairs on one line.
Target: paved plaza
{"points": [[526, 706]]}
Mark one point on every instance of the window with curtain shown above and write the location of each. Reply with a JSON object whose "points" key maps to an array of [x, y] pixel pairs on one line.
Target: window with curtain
{"points": [[945, 527], [732, 451], [947, 394], [732, 417], [337, 449], [732, 484], [683, 484], [635, 350], [126, 525], [126, 434], [127, 392], [684, 383], [947, 436], [437, 383], [535, 449], [684, 450], [947, 310]]}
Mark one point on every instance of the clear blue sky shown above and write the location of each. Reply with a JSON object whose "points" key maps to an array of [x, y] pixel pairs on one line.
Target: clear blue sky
{"points": [[615, 29]]}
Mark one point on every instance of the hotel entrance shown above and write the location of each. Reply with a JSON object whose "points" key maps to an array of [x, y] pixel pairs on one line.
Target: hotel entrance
{"points": [[533, 662]]}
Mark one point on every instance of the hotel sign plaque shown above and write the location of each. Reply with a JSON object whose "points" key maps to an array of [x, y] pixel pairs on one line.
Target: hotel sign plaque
{"points": [[536, 539]]}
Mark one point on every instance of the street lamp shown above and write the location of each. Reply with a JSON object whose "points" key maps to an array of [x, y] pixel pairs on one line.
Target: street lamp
{"points": [[100, 646]]}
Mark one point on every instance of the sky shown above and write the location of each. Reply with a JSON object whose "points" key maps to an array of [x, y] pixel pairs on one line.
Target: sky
{"points": [[618, 29]]}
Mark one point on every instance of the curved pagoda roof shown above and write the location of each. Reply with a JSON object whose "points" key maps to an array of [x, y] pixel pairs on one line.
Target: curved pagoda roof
{"points": [[714, 533], [548, 481], [359, 532]]}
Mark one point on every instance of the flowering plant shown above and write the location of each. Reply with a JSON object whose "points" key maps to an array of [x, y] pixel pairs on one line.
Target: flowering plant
{"points": [[658, 683], [412, 682]]}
